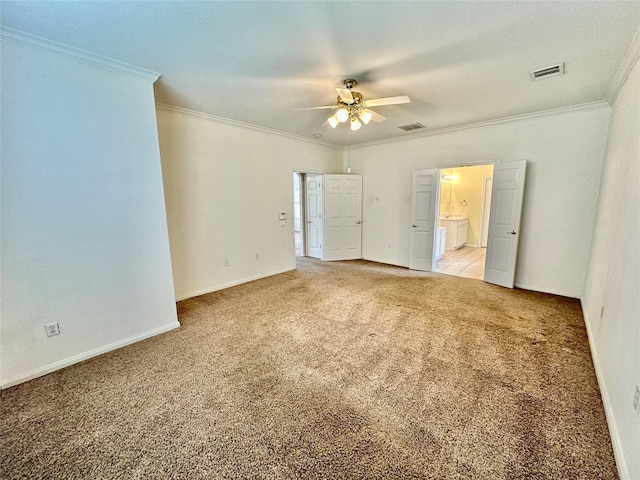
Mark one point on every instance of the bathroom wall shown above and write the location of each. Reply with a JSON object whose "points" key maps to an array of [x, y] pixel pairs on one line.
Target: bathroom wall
{"points": [[466, 196]]}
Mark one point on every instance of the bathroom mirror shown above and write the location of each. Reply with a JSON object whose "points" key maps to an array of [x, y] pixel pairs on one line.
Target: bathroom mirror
{"points": [[446, 192]]}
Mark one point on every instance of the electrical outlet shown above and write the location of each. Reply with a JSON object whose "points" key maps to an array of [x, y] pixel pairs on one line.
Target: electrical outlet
{"points": [[257, 256], [636, 399], [226, 262], [52, 329]]}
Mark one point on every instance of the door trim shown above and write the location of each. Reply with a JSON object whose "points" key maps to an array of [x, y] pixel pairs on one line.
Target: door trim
{"points": [[485, 213], [303, 215]]}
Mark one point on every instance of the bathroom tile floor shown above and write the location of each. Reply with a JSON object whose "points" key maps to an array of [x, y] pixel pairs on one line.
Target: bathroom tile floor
{"points": [[465, 262]]}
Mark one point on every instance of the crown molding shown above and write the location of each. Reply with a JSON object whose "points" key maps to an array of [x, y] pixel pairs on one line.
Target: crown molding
{"points": [[628, 62], [8, 34], [485, 123], [542, 113], [237, 123]]}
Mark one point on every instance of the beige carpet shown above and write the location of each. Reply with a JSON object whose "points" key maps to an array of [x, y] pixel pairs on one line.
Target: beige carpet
{"points": [[336, 370]]}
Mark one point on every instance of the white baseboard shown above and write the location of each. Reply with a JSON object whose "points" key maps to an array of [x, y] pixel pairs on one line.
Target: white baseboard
{"points": [[230, 284], [546, 290], [623, 471], [385, 262], [52, 367]]}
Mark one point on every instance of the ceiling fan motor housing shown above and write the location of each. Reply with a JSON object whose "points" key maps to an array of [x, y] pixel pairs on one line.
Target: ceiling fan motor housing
{"points": [[357, 98]]}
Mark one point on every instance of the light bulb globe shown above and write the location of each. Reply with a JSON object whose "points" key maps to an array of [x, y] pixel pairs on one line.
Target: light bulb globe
{"points": [[342, 115]]}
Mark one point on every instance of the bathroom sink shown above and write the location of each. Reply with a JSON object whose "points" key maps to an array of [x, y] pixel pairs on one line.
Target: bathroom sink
{"points": [[454, 217]]}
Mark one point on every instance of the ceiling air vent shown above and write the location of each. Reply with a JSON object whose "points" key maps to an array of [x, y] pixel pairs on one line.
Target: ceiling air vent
{"points": [[411, 126], [551, 71]]}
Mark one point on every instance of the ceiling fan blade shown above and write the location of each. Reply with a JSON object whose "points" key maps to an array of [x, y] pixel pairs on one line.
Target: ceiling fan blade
{"points": [[376, 117], [377, 102], [345, 95], [316, 108]]}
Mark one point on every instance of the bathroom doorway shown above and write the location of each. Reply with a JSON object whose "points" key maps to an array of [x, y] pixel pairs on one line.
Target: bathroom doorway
{"points": [[464, 208]]}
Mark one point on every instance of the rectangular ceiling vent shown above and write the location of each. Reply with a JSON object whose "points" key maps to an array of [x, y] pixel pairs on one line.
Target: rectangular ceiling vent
{"points": [[411, 126], [547, 72]]}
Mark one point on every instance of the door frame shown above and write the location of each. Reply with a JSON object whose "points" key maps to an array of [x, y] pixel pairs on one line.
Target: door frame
{"points": [[303, 214], [485, 212]]}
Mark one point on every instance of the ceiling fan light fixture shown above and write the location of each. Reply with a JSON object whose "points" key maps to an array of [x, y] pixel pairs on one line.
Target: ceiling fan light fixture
{"points": [[351, 107], [366, 117]]}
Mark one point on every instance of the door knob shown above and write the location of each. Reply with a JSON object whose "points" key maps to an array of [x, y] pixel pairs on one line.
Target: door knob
{"points": [[414, 225], [358, 222], [512, 232]]}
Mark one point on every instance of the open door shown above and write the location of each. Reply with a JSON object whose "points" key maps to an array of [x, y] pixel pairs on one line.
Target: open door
{"points": [[313, 210], [342, 217], [425, 191], [504, 222]]}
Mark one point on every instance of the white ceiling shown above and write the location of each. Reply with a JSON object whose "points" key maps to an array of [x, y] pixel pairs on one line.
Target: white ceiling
{"points": [[254, 62]]}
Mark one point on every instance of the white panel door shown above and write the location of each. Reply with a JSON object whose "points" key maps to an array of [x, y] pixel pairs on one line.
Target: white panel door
{"points": [[342, 217], [313, 210], [504, 222], [424, 193]]}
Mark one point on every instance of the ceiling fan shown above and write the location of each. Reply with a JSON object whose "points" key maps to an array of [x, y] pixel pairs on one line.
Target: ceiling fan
{"points": [[353, 108]]}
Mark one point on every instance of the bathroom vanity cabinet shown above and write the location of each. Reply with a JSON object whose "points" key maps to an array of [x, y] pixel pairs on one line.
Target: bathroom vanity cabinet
{"points": [[457, 230]]}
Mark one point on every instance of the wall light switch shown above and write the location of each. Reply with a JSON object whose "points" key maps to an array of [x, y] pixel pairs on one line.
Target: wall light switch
{"points": [[283, 215]]}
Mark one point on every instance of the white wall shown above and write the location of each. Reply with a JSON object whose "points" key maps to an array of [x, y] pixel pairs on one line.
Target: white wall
{"points": [[564, 152], [84, 234], [611, 301], [225, 185]]}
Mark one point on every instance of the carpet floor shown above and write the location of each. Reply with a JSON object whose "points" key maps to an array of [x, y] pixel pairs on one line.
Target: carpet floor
{"points": [[334, 370]]}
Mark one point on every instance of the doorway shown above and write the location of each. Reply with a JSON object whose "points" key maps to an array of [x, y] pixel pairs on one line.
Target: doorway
{"points": [[327, 216], [298, 199], [463, 219]]}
